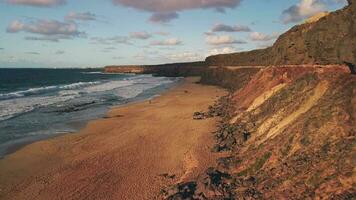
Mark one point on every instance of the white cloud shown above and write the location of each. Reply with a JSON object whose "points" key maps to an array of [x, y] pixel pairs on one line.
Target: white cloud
{"points": [[143, 35], [222, 40], [184, 56], [111, 40], [227, 28], [166, 10], [51, 30], [223, 50], [163, 18], [168, 42], [256, 36], [302, 10], [84, 16], [38, 3], [162, 6]]}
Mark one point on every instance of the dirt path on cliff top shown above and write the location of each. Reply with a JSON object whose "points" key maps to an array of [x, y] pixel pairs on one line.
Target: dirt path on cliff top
{"points": [[119, 157]]}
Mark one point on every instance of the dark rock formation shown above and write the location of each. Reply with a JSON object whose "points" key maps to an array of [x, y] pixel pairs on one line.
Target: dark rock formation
{"points": [[352, 67], [330, 40]]}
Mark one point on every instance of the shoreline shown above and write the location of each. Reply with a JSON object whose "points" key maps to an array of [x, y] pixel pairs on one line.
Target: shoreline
{"points": [[119, 152], [78, 124]]}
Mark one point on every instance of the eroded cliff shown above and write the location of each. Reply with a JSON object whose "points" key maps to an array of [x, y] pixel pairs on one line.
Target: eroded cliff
{"points": [[330, 40], [285, 133]]}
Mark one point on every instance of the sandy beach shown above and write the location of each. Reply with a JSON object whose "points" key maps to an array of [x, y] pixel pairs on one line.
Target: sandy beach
{"points": [[130, 154]]}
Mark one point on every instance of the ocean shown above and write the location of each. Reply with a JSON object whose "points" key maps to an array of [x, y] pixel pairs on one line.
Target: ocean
{"points": [[38, 104]]}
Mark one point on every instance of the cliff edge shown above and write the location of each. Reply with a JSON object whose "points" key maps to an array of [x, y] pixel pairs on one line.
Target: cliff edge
{"points": [[329, 40]]}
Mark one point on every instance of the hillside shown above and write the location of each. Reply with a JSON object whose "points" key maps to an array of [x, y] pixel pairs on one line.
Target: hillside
{"points": [[285, 133], [330, 40]]}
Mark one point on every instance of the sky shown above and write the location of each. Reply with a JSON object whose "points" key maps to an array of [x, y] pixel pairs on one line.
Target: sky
{"points": [[96, 33]]}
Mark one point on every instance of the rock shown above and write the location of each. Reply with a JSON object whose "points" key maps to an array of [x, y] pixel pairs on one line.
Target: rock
{"points": [[166, 175], [246, 135], [199, 116], [181, 191], [228, 162], [352, 67], [252, 193]]}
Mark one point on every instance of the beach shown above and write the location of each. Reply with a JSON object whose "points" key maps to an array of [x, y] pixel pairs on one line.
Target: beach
{"points": [[132, 153]]}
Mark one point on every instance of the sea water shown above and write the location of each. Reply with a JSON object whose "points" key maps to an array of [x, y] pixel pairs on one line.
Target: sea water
{"points": [[37, 104]]}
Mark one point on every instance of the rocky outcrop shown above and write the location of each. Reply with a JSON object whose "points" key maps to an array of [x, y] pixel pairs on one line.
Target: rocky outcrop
{"points": [[330, 40]]}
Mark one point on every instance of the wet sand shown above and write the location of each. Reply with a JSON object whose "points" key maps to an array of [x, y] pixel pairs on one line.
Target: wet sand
{"points": [[123, 156]]}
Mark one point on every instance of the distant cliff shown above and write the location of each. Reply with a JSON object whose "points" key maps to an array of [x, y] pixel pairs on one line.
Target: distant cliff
{"points": [[330, 40], [173, 69]]}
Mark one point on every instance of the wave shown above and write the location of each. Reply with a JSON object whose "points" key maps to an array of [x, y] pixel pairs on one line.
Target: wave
{"points": [[140, 86], [13, 107], [64, 95], [41, 90]]}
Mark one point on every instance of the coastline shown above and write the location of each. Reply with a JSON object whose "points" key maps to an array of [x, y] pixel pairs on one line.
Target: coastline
{"points": [[75, 122], [121, 156]]}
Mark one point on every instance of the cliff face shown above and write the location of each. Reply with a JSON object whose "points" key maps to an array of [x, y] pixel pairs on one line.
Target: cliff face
{"points": [[232, 78], [294, 130], [173, 69], [286, 132], [330, 40]]}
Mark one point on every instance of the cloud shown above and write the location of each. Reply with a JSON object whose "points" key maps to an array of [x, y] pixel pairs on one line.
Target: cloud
{"points": [[222, 40], [166, 10], [143, 35], [168, 42], [50, 30], [223, 50], [84, 16], [111, 40], [159, 6], [226, 28], [256, 36], [184, 56], [38, 3], [302, 10], [163, 18]]}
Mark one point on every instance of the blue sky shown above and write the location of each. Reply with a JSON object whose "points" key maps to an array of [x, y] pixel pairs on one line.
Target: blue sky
{"points": [[93, 33]]}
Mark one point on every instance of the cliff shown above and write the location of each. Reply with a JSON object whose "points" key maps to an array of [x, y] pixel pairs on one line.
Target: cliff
{"points": [[172, 69], [286, 132], [329, 40], [287, 128]]}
